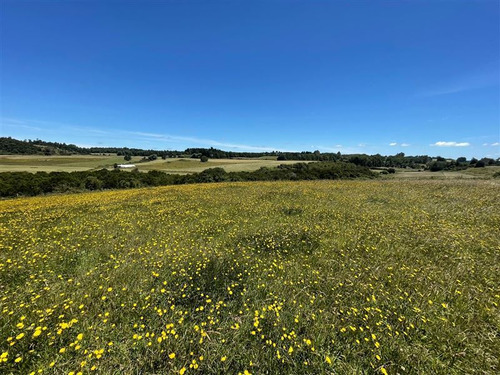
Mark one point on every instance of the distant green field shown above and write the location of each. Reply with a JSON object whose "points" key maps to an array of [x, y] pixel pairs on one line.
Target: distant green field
{"points": [[38, 163]]}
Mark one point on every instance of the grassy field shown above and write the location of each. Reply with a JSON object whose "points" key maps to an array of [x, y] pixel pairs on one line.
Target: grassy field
{"points": [[183, 166], [474, 173], [344, 277], [36, 163], [39, 163]]}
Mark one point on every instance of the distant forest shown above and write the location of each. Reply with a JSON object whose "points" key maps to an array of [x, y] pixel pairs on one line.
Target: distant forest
{"points": [[10, 146]]}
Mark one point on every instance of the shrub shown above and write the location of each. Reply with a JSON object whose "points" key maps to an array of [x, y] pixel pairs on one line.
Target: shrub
{"points": [[92, 183]]}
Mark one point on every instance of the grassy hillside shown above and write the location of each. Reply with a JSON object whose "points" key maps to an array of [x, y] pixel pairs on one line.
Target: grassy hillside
{"points": [[285, 277], [57, 163]]}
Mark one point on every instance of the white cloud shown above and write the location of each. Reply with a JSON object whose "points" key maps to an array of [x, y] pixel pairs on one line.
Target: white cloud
{"points": [[393, 144], [496, 144], [405, 144], [451, 144]]}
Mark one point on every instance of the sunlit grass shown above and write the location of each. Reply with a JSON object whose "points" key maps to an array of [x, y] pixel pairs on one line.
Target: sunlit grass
{"points": [[304, 277]]}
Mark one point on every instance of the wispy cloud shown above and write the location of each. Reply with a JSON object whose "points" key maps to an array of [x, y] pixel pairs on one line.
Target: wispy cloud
{"points": [[486, 77], [392, 144], [451, 144], [492, 144], [93, 131], [201, 141], [16, 124]]}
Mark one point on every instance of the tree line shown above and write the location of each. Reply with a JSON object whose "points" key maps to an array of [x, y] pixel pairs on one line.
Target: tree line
{"points": [[400, 160], [28, 184]]}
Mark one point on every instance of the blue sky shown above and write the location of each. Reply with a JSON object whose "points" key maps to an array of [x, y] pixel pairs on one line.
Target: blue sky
{"points": [[420, 77]]}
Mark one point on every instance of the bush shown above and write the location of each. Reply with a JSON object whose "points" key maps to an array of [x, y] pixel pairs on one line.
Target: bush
{"points": [[480, 164], [204, 159], [92, 183]]}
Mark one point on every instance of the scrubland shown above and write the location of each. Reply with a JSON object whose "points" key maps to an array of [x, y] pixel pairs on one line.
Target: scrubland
{"points": [[316, 277]]}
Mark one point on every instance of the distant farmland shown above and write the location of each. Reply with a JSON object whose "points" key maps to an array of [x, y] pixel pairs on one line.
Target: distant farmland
{"points": [[39, 163], [323, 277]]}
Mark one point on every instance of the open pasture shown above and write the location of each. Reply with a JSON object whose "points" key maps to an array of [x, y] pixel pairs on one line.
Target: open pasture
{"points": [[184, 165], [70, 163], [344, 277], [39, 163]]}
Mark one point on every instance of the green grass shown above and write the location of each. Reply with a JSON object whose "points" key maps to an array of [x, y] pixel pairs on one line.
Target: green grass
{"points": [[323, 277], [39, 163], [36, 163]]}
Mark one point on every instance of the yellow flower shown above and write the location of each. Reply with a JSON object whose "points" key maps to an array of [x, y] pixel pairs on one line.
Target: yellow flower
{"points": [[328, 360], [171, 355], [383, 370], [182, 371], [18, 359], [223, 358]]}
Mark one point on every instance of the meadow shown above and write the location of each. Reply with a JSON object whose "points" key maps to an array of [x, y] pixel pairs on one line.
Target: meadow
{"points": [[72, 163], [311, 277]]}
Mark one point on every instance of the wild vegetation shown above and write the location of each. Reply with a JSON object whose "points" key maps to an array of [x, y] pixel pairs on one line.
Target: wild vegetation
{"points": [[389, 277], [24, 183]]}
